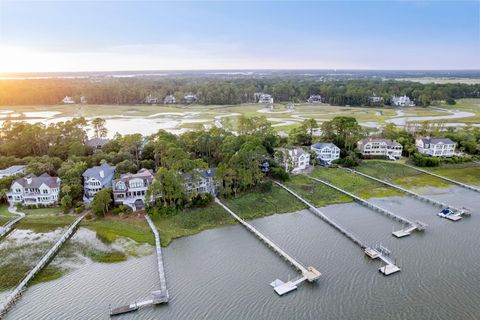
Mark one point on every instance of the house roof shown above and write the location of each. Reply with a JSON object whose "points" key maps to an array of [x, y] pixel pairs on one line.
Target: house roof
{"points": [[295, 152], [36, 182], [94, 142], [437, 141], [387, 141], [209, 173], [95, 172], [322, 145], [12, 170], [142, 174]]}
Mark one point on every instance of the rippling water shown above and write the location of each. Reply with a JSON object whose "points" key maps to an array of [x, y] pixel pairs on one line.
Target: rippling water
{"points": [[225, 273]]}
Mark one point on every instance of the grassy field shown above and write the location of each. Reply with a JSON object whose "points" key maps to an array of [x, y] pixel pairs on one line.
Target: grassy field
{"points": [[468, 105], [42, 211], [44, 224]]}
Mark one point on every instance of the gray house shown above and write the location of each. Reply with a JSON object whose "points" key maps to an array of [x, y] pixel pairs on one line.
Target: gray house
{"points": [[95, 179], [33, 190]]}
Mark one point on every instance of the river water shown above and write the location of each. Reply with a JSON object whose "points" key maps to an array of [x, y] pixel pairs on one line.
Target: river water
{"points": [[224, 273]]}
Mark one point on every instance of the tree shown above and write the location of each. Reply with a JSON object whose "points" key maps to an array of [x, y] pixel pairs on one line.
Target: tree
{"points": [[167, 189], [99, 129], [66, 203], [102, 201]]}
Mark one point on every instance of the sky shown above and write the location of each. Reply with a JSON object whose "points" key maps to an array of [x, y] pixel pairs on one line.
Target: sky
{"points": [[56, 36]]}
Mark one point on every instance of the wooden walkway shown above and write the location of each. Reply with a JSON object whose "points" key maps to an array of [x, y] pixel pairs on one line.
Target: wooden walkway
{"points": [[17, 292], [5, 229], [410, 225], [466, 186]]}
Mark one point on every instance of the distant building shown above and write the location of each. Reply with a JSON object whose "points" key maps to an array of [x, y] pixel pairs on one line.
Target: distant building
{"points": [[151, 99], [68, 100], [402, 101], [380, 147], [436, 147], [265, 98], [95, 179], [200, 183], [315, 98], [190, 98], [292, 160], [97, 143], [33, 190], [130, 189], [375, 99], [170, 99], [326, 152], [83, 99], [12, 171]]}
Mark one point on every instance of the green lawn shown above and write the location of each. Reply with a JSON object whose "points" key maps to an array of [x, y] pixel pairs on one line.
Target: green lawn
{"points": [[56, 210], [44, 224]]}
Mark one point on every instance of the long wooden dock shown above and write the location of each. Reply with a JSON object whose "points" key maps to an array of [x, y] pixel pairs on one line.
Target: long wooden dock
{"points": [[459, 212], [158, 296], [5, 229], [17, 292], [410, 225], [308, 273], [466, 186], [388, 269]]}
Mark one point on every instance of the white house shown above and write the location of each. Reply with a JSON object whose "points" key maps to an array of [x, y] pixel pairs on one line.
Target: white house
{"points": [[33, 190], [293, 160], [151, 99], [130, 189], [68, 100], [375, 99], [170, 99], [436, 147], [265, 98], [402, 101], [95, 179], [12, 171], [202, 182], [83, 99], [380, 147], [315, 98], [190, 98], [326, 152]]}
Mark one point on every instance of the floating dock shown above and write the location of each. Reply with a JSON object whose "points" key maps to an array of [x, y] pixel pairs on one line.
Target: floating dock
{"points": [[156, 297], [373, 253], [466, 186], [5, 229], [410, 226], [310, 274], [458, 213], [17, 292]]}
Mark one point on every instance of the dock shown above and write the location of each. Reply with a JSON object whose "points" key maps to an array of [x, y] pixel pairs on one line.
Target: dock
{"points": [[466, 186], [458, 212], [6, 228], [17, 292], [158, 296], [310, 273], [410, 226], [373, 253]]}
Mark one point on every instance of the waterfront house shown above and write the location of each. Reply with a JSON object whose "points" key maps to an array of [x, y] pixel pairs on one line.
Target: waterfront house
{"points": [[402, 101], [292, 160], [33, 190], [83, 99], [190, 98], [170, 99], [436, 147], [130, 188], [265, 98], [326, 152], [202, 181], [12, 171], [390, 149], [95, 179], [68, 100], [151, 99], [97, 143], [375, 100], [315, 98]]}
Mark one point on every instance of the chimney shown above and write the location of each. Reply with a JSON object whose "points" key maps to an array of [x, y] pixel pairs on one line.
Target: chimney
{"points": [[29, 180], [102, 174]]}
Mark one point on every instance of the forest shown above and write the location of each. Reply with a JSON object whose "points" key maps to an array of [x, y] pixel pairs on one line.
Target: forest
{"points": [[226, 91]]}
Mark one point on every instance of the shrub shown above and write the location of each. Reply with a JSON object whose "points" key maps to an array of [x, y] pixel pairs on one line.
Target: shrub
{"points": [[265, 186], [202, 200], [279, 174], [79, 209]]}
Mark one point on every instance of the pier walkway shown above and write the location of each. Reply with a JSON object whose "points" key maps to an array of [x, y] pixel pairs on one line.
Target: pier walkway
{"points": [[458, 212], [9, 225], [158, 296], [410, 225], [310, 274], [17, 292], [444, 178], [388, 269]]}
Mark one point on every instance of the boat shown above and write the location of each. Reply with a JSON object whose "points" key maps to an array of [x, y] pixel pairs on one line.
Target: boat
{"points": [[449, 214]]}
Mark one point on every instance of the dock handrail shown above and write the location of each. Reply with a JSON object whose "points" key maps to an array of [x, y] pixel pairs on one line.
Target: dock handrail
{"points": [[161, 270]]}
